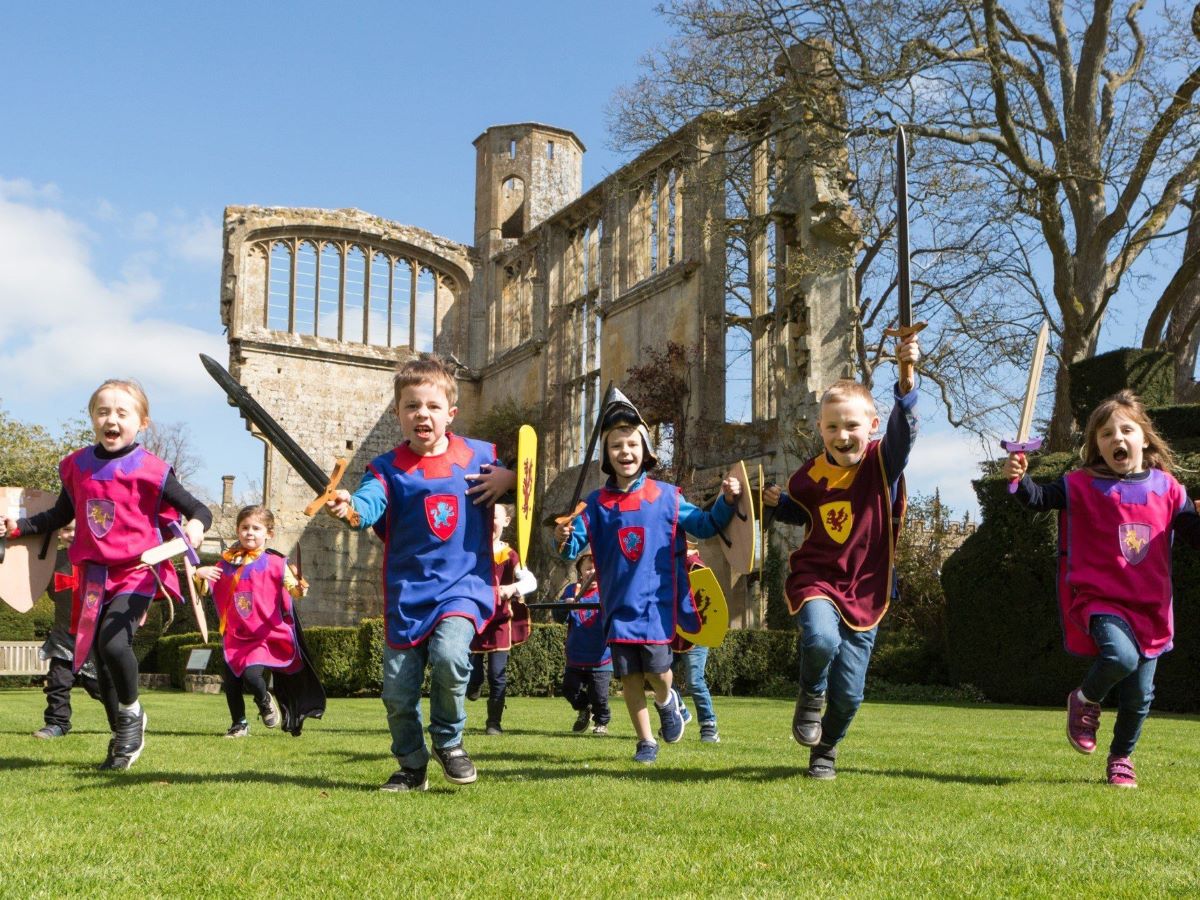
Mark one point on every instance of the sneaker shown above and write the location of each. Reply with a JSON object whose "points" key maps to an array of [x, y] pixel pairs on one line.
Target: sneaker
{"points": [[493, 729], [601, 730], [49, 732], [582, 720], [822, 763], [405, 779], [238, 730], [1083, 718], [708, 732], [1120, 772], [806, 720], [647, 752], [683, 710], [270, 715], [129, 740], [670, 719], [456, 764], [110, 757]]}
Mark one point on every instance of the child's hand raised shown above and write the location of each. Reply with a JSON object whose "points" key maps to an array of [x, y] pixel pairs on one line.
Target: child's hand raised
{"points": [[1015, 466], [491, 483], [732, 489], [771, 495], [908, 351], [340, 506], [209, 574], [562, 531]]}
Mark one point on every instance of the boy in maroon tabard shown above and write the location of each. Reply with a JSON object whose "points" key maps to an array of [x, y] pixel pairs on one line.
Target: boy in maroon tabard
{"points": [[851, 499]]}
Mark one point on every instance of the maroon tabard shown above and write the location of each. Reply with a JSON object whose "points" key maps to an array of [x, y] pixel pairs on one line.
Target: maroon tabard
{"points": [[510, 625], [849, 551]]}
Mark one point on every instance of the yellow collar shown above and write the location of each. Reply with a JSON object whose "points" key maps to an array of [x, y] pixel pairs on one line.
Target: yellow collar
{"points": [[835, 477]]}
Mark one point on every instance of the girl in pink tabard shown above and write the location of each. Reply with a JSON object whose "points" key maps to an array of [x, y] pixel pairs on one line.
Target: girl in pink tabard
{"points": [[1118, 514], [253, 589], [123, 497]]}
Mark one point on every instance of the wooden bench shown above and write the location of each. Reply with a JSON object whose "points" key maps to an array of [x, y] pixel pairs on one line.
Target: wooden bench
{"points": [[22, 658]]}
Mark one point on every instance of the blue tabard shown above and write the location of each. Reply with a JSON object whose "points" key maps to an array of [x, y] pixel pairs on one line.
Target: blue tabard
{"points": [[437, 543], [586, 647], [639, 550]]}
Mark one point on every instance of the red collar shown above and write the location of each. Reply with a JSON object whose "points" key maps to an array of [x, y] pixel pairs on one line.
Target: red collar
{"points": [[630, 501], [457, 453]]}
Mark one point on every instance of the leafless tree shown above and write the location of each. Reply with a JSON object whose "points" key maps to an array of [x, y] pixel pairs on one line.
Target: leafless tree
{"points": [[172, 442], [1066, 133]]}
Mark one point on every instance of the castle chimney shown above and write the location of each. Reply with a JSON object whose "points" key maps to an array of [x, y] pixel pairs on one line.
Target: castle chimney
{"points": [[227, 491]]}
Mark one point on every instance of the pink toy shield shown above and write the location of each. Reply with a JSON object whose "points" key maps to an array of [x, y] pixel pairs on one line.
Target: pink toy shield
{"points": [[25, 571]]}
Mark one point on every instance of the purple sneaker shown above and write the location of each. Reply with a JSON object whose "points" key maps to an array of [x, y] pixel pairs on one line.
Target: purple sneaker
{"points": [[1083, 718], [1120, 772]]}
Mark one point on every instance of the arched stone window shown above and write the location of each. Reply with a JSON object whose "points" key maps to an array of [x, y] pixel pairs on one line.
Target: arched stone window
{"points": [[512, 207], [353, 309], [378, 291], [304, 320]]}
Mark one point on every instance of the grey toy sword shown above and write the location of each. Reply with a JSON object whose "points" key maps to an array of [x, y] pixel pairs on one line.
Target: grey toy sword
{"points": [[906, 326], [314, 476], [1023, 444]]}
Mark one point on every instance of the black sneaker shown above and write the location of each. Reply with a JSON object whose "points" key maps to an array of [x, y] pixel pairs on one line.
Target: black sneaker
{"points": [[238, 730], [582, 720], [406, 779], [49, 732], [822, 763], [493, 729], [129, 740], [456, 764], [806, 721], [270, 715], [109, 757]]}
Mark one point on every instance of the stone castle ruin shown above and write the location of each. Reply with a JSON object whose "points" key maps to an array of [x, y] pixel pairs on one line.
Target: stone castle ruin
{"points": [[733, 237]]}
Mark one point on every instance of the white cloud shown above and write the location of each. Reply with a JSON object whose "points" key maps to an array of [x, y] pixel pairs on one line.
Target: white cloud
{"points": [[66, 327], [23, 189], [196, 241], [946, 460]]}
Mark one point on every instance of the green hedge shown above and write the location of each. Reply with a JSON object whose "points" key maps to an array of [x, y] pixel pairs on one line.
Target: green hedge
{"points": [[1179, 425], [1148, 373], [334, 652], [1002, 621], [216, 661], [370, 656], [15, 626]]}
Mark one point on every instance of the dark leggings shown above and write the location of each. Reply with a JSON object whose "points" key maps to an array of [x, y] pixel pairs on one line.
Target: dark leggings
{"points": [[116, 666], [252, 679]]}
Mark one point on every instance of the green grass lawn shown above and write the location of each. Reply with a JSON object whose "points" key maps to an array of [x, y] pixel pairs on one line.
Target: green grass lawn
{"points": [[957, 800]]}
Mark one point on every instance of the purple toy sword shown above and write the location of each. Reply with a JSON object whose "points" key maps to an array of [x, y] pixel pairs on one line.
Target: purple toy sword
{"points": [[1023, 444]]}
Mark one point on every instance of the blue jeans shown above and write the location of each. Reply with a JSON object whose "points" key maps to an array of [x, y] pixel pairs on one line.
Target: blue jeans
{"points": [[833, 661], [447, 652], [694, 662], [1123, 671]]}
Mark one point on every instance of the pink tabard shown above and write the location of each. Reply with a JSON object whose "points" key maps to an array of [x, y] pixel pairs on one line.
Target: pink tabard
{"points": [[256, 615], [1115, 545]]}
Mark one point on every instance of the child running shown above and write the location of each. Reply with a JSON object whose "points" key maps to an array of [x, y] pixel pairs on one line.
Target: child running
{"points": [[635, 527], [1118, 512], [125, 495], [509, 627], [851, 498], [253, 589], [430, 500], [589, 667]]}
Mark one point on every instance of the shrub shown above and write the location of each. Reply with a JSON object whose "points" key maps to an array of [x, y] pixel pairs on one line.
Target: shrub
{"points": [[1148, 373], [334, 652], [369, 661], [15, 626], [216, 661], [167, 655], [1179, 425], [535, 667]]}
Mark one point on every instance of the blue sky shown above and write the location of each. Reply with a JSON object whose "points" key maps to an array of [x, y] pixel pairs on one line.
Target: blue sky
{"points": [[130, 126]]}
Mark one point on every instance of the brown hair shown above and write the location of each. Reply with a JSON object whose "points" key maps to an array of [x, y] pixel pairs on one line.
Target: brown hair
{"points": [[257, 511], [128, 385], [849, 389], [428, 368], [1157, 454]]}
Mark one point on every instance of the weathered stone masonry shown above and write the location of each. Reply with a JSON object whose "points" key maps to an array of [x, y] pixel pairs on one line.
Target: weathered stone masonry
{"points": [[733, 236]]}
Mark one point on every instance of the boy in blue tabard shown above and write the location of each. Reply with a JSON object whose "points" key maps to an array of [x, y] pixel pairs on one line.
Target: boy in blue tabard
{"points": [[589, 665], [430, 501], [635, 526], [851, 498]]}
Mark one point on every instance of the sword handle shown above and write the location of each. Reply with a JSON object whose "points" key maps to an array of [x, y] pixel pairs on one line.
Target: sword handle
{"points": [[567, 519], [335, 478], [1013, 482], [907, 370]]}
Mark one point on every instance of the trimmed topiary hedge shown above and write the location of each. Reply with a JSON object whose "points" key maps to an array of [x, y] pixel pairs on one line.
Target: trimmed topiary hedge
{"points": [[1148, 373], [1002, 619], [334, 652]]}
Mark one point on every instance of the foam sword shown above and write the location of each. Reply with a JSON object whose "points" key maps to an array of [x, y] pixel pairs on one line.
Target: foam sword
{"points": [[906, 325], [1023, 444], [314, 476], [179, 545]]}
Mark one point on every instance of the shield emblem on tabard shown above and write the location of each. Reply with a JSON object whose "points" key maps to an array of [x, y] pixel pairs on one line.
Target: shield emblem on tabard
{"points": [[243, 602], [1134, 538], [100, 515], [441, 512], [837, 519], [632, 540]]}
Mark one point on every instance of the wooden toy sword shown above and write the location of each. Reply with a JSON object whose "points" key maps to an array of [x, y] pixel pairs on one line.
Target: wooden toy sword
{"points": [[1023, 444], [903, 284]]}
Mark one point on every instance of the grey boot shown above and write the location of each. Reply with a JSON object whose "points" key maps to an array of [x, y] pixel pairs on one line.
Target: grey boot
{"points": [[806, 722]]}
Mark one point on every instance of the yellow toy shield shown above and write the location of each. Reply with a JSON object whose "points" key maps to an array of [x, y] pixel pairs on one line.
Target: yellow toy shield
{"points": [[741, 534], [526, 483], [24, 572], [760, 533], [711, 606], [837, 518]]}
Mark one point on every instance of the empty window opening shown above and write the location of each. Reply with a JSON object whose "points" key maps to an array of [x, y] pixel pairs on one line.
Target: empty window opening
{"points": [[549, 149], [512, 149]]}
